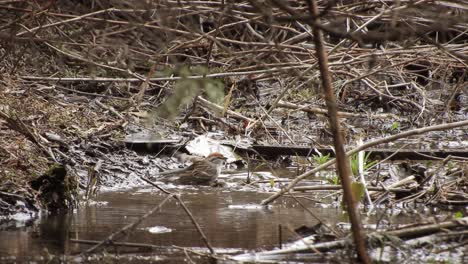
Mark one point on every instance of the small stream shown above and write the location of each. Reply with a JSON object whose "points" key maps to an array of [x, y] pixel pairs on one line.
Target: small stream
{"points": [[232, 220]]}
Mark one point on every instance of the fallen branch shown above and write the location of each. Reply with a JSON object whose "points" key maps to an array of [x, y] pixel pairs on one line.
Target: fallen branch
{"points": [[306, 243], [417, 131], [220, 109], [15, 123], [338, 187], [422, 230], [392, 186], [316, 110], [122, 244], [174, 78]]}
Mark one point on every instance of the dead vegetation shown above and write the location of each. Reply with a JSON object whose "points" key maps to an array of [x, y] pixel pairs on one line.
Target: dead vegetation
{"points": [[78, 74]]}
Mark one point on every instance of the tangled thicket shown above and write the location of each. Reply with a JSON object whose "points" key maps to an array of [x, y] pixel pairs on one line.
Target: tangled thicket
{"points": [[392, 55]]}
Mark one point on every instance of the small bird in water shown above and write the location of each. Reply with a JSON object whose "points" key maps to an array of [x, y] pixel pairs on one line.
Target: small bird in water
{"points": [[201, 172]]}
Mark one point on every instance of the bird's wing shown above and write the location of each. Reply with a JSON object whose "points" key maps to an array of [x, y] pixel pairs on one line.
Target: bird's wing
{"points": [[174, 172]]}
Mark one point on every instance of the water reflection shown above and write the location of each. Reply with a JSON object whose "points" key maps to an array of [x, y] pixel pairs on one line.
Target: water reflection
{"points": [[232, 221], [49, 233], [236, 227], [225, 227]]}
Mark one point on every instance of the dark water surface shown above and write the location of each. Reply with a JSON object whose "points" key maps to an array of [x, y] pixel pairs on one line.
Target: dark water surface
{"points": [[231, 220]]}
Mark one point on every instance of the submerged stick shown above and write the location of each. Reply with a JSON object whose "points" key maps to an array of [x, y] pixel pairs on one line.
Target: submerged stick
{"points": [[122, 244], [187, 211], [195, 223], [299, 246], [128, 227]]}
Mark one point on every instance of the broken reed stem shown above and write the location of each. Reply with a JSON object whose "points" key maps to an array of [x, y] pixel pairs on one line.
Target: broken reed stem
{"points": [[411, 232], [320, 111], [221, 109], [16, 124], [338, 187], [422, 230], [275, 70], [365, 146], [121, 244]]}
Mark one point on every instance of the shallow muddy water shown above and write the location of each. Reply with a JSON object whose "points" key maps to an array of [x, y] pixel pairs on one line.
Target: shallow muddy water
{"points": [[232, 220]]}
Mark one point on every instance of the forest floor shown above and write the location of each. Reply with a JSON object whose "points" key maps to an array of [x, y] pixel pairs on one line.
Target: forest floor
{"points": [[74, 88]]}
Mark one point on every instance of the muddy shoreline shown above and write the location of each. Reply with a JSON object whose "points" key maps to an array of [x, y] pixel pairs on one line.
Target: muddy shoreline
{"points": [[94, 96]]}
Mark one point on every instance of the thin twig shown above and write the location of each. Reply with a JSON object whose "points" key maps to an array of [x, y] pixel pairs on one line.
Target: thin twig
{"points": [[365, 146], [187, 211], [127, 228]]}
